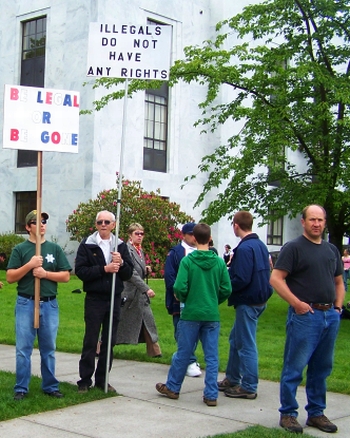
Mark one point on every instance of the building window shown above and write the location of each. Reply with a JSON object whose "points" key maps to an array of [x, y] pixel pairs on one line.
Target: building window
{"points": [[25, 202], [275, 232], [32, 70], [156, 129]]}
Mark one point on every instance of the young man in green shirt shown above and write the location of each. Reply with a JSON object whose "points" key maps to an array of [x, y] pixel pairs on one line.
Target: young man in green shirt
{"points": [[202, 283]]}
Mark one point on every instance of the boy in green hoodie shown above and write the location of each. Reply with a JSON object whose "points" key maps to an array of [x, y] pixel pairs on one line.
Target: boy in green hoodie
{"points": [[202, 283]]}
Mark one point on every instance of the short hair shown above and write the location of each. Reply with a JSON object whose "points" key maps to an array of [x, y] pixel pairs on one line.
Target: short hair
{"points": [[135, 226], [227, 246], [3, 255], [244, 220], [202, 233], [305, 209], [105, 211]]}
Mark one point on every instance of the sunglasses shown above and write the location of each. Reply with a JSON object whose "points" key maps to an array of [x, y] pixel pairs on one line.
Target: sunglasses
{"points": [[43, 221], [139, 233], [101, 222]]}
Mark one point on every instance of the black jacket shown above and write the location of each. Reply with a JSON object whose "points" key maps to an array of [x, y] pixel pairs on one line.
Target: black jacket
{"points": [[89, 267]]}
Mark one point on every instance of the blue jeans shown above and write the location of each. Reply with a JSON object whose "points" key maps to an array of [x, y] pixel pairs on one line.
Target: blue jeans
{"points": [[346, 277], [310, 342], [242, 366], [188, 333], [176, 319], [25, 336]]}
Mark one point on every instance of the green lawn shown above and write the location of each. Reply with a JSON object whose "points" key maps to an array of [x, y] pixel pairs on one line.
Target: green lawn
{"points": [[271, 336], [271, 332]]}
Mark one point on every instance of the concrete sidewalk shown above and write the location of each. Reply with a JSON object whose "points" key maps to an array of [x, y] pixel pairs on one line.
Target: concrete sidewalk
{"points": [[142, 412]]}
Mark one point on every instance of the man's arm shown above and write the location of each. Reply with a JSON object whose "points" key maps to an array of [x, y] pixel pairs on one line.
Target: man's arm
{"points": [[339, 291], [58, 277], [13, 275], [277, 281]]}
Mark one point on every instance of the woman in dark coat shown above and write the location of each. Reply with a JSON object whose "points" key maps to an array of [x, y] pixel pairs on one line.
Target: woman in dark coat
{"points": [[137, 323]]}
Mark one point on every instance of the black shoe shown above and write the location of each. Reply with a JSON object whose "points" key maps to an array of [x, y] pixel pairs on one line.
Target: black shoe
{"points": [[19, 396], [83, 389], [55, 394], [110, 388]]}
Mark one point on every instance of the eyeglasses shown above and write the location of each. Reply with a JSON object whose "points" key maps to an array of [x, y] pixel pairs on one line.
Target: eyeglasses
{"points": [[101, 222], [43, 221], [139, 233]]}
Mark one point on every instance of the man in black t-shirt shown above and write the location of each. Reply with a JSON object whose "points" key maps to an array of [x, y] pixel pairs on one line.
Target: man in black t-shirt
{"points": [[308, 274]]}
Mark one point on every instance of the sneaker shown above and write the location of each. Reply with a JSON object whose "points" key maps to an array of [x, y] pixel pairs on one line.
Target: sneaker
{"points": [[224, 384], [209, 402], [110, 388], [55, 394], [290, 423], [83, 389], [19, 396], [238, 392], [162, 389], [322, 423], [193, 370]]}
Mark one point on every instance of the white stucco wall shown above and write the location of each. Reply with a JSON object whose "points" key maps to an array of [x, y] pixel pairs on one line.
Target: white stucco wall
{"points": [[71, 178]]}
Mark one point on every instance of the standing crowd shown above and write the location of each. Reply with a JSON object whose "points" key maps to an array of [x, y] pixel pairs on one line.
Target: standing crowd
{"points": [[309, 274]]}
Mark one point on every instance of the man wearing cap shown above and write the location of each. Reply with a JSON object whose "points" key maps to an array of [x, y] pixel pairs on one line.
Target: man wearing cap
{"points": [[172, 263], [51, 267]]}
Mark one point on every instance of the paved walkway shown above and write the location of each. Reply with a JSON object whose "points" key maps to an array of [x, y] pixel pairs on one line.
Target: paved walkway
{"points": [[142, 412]]}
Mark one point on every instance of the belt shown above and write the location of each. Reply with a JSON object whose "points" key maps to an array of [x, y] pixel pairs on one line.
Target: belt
{"points": [[31, 297], [321, 306]]}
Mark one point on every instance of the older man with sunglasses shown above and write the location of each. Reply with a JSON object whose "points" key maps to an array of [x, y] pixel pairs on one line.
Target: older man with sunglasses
{"points": [[95, 264], [51, 266]]}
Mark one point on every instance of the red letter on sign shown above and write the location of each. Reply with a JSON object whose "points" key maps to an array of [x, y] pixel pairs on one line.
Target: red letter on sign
{"points": [[14, 94], [14, 136]]}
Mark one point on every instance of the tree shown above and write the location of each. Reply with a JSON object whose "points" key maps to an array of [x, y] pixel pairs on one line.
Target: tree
{"points": [[158, 216], [286, 65]]}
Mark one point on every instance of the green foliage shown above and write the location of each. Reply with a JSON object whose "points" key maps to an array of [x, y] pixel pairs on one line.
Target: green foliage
{"points": [[7, 242], [283, 67], [158, 216]]}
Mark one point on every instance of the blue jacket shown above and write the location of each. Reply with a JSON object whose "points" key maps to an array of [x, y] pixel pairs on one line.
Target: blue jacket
{"points": [[250, 272], [171, 268]]}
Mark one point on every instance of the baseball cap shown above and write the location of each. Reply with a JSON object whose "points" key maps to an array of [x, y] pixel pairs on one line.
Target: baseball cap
{"points": [[188, 228], [32, 216]]}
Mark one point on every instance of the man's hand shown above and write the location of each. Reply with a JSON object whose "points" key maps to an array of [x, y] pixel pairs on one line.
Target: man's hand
{"points": [[36, 261], [112, 267], [39, 272], [151, 293], [301, 308]]}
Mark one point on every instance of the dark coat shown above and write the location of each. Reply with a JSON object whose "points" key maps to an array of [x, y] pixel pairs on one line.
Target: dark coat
{"points": [[136, 309], [89, 267]]}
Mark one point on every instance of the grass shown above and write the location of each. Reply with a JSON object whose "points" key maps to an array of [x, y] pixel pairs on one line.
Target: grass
{"points": [[270, 338]]}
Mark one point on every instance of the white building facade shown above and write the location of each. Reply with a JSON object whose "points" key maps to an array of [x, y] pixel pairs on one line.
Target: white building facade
{"points": [[45, 43]]}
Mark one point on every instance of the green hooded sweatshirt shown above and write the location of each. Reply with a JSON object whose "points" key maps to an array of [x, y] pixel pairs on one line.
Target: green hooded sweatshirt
{"points": [[202, 283]]}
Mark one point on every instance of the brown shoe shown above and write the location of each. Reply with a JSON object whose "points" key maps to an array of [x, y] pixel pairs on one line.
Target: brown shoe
{"points": [[162, 388], [209, 402], [239, 392], [224, 384], [322, 423], [290, 423]]}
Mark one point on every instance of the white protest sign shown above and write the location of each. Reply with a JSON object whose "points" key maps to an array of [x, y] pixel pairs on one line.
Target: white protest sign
{"points": [[129, 51], [40, 119]]}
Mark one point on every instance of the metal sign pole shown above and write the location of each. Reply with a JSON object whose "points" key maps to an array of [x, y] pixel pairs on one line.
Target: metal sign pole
{"points": [[120, 181]]}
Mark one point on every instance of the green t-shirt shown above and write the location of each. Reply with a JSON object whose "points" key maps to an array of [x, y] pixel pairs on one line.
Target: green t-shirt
{"points": [[54, 260]]}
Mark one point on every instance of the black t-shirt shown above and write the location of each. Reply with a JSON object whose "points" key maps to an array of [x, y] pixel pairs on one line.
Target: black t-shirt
{"points": [[311, 269]]}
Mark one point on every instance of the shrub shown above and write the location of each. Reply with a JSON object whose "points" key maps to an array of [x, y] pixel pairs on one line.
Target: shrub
{"points": [[7, 242], [160, 218]]}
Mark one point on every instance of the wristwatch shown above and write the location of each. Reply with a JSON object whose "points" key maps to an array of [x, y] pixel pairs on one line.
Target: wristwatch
{"points": [[340, 310]]}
